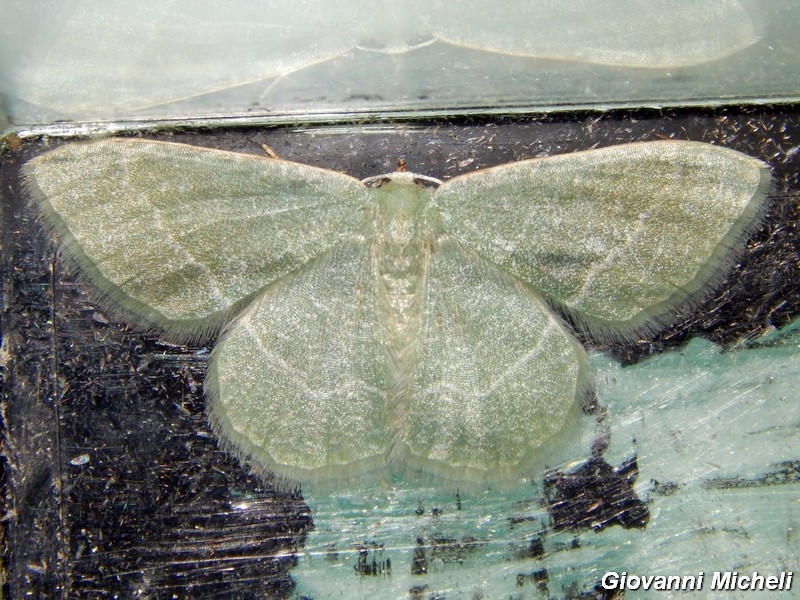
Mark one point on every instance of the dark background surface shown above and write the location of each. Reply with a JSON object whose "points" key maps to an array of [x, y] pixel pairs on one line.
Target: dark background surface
{"points": [[113, 484]]}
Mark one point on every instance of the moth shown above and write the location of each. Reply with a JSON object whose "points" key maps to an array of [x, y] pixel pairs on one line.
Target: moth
{"points": [[399, 324]]}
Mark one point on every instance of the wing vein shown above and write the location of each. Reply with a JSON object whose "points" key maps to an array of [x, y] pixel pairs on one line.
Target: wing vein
{"points": [[519, 363], [181, 249], [604, 265]]}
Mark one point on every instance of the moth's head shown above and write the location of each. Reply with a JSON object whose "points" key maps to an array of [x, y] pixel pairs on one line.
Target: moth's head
{"points": [[401, 179]]}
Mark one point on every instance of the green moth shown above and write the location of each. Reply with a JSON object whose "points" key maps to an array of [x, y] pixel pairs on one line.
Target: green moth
{"points": [[398, 324]]}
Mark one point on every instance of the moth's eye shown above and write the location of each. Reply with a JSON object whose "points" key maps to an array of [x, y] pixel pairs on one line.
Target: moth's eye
{"points": [[425, 182], [378, 182]]}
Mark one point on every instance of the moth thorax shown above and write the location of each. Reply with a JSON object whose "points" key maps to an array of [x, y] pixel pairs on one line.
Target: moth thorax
{"points": [[401, 239]]}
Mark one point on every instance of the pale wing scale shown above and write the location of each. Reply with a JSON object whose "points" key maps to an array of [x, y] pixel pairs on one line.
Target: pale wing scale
{"points": [[298, 383], [497, 375], [179, 235], [617, 237]]}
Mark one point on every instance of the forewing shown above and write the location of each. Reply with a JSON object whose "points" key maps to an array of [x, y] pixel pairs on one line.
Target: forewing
{"points": [[176, 234], [619, 236], [298, 383], [496, 378]]}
